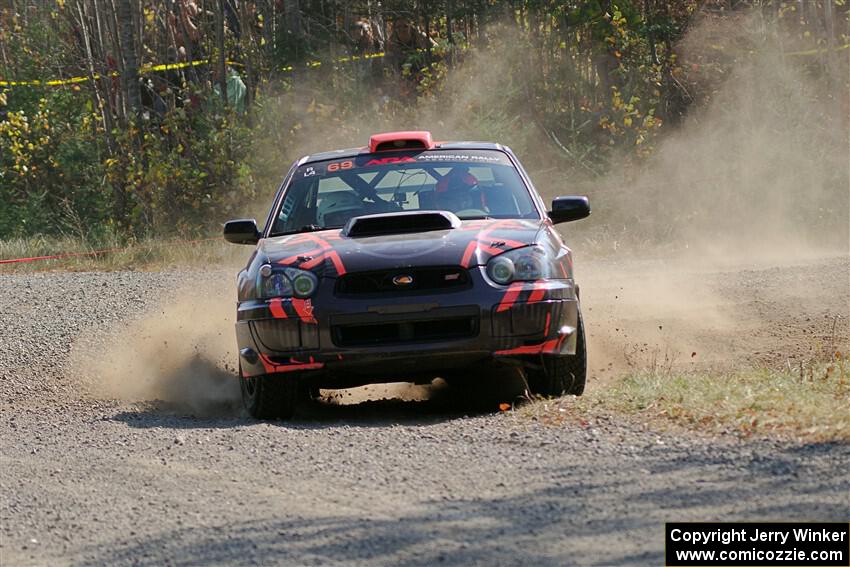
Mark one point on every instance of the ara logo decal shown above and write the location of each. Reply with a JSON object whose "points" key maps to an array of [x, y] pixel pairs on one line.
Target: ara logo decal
{"points": [[387, 160]]}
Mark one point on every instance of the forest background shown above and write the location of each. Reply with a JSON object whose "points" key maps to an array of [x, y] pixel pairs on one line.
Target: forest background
{"points": [[125, 120]]}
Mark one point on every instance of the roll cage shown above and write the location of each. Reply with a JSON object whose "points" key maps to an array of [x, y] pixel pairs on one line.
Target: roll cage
{"points": [[367, 188]]}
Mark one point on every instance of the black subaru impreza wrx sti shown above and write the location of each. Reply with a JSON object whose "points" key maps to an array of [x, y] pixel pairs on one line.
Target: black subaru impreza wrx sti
{"points": [[406, 260]]}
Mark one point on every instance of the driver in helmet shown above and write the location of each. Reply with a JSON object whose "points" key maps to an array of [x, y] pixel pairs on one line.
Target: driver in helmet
{"points": [[456, 191], [336, 208]]}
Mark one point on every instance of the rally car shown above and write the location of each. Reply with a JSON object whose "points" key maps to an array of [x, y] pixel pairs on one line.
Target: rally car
{"points": [[406, 260]]}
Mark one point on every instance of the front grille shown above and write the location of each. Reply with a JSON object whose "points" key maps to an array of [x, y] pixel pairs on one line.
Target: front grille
{"points": [[425, 280], [405, 331], [286, 334]]}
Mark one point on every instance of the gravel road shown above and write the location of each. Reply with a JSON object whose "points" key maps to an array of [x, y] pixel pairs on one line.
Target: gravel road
{"points": [[88, 477]]}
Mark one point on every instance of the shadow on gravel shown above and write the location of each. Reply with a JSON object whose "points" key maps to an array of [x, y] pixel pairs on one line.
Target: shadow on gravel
{"points": [[442, 403], [311, 415], [747, 477], [588, 513], [526, 529]]}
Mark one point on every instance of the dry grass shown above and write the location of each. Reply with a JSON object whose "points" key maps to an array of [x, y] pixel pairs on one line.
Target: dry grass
{"points": [[810, 402], [150, 254]]}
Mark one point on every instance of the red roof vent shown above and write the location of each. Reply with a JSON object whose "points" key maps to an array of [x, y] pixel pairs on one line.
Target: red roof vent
{"points": [[400, 141]]}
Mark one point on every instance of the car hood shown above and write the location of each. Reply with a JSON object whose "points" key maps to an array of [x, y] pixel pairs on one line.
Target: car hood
{"points": [[329, 253]]}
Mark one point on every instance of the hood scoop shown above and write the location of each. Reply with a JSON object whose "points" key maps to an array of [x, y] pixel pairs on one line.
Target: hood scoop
{"points": [[400, 223]]}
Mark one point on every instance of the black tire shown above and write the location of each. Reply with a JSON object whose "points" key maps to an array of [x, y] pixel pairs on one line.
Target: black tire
{"points": [[308, 392], [562, 374], [270, 397]]}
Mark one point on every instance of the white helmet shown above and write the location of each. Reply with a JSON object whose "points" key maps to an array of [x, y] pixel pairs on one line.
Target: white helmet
{"points": [[332, 204]]}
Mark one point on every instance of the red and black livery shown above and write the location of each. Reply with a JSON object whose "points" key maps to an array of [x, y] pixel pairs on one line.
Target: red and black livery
{"points": [[404, 289]]}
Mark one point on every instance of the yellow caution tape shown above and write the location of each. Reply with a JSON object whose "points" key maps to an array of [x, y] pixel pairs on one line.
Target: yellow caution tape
{"points": [[52, 83], [142, 70], [171, 66], [817, 51], [346, 59], [286, 69], [789, 53]]}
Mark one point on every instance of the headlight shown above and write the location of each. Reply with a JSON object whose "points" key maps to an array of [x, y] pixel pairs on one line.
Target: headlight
{"points": [[523, 264], [285, 282]]}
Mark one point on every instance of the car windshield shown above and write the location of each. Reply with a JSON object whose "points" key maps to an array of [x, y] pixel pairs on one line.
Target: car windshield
{"points": [[472, 184]]}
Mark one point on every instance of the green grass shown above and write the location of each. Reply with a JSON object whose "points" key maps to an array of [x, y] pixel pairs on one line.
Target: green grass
{"points": [[148, 254], [811, 402]]}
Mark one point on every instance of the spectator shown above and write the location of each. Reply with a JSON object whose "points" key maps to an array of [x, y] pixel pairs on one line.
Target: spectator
{"points": [[236, 90]]}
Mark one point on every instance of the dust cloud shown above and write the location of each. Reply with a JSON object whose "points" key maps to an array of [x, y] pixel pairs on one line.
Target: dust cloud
{"points": [[756, 173], [181, 353], [755, 176]]}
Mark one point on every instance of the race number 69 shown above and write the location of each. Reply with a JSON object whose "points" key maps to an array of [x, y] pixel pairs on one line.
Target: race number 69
{"points": [[348, 164]]}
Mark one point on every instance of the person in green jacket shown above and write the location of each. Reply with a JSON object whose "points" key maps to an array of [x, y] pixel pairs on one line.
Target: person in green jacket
{"points": [[236, 90]]}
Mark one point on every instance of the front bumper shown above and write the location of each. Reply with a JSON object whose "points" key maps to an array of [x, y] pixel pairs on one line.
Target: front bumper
{"points": [[354, 340]]}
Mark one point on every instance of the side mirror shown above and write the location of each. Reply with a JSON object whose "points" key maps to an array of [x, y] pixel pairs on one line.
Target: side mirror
{"points": [[241, 231], [566, 209]]}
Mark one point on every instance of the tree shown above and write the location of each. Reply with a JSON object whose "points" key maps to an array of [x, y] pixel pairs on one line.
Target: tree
{"points": [[130, 66]]}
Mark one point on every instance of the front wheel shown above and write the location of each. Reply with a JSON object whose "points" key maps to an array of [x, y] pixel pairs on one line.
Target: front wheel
{"points": [[562, 374], [269, 396]]}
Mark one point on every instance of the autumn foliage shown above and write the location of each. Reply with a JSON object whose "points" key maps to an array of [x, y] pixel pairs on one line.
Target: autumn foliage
{"points": [[170, 115]]}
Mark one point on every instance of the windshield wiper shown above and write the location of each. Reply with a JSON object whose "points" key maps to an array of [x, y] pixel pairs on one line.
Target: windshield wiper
{"points": [[305, 228]]}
